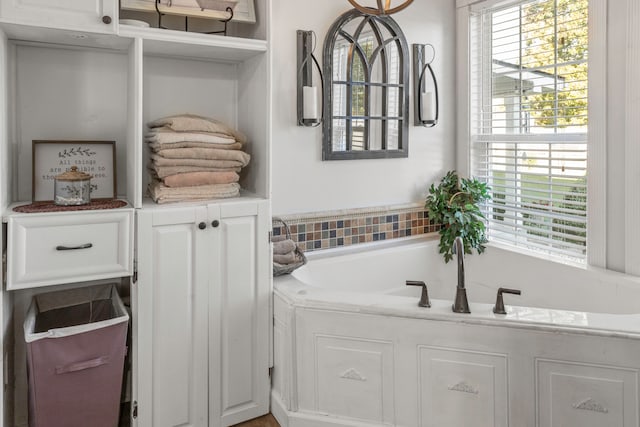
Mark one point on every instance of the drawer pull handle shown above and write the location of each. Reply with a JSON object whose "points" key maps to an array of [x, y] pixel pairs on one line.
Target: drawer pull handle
{"points": [[73, 248]]}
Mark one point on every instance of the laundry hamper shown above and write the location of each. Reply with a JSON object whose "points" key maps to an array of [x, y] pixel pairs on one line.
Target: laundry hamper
{"points": [[76, 345]]}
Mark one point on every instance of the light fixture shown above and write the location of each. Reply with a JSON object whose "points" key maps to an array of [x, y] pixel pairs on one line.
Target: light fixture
{"points": [[426, 104], [308, 94], [380, 9]]}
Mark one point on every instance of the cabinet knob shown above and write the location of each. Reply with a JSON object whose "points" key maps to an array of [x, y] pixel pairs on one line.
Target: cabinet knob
{"points": [[215, 223], [106, 19], [202, 225]]}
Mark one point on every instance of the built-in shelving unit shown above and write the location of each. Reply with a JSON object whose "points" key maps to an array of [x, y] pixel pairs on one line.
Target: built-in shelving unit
{"points": [[76, 76]]}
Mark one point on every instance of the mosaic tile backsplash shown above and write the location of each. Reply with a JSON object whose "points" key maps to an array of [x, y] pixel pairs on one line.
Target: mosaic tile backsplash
{"points": [[334, 229]]}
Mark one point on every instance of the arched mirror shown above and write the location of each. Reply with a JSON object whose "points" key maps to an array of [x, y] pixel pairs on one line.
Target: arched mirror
{"points": [[365, 90]]}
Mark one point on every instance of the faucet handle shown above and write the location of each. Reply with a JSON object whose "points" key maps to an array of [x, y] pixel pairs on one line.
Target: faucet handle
{"points": [[499, 307], [424, 298]]}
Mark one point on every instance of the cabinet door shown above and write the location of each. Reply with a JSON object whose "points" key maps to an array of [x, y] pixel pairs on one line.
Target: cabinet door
{"points": [[240, 314], [87, 15], [172, 317]]}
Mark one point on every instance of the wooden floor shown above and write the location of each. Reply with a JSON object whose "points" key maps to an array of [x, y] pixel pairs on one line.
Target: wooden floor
{"points": [[266, 421]]}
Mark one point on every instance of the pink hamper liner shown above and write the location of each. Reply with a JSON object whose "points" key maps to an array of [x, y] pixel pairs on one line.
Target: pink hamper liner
{"points": [[76, 345]]}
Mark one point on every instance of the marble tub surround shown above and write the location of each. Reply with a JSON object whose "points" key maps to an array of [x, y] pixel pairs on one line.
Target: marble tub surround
{"points": [[326, 230]]}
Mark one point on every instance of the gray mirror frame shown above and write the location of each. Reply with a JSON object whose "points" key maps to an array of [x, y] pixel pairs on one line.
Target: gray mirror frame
{"points": [[327, 127]]}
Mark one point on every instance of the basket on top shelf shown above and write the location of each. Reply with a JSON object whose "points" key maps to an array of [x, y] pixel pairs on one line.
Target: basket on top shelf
{"points": [[292, 254]]}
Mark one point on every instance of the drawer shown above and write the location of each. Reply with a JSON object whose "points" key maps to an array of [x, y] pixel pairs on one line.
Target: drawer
{"points": [[64, 248]]}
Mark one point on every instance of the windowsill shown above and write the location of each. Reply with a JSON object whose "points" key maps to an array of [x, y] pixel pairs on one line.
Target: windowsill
{"points": [[539, 255]]}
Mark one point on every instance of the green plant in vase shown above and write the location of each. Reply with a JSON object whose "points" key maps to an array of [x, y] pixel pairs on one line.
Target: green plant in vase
{"points": [[454, 204]]}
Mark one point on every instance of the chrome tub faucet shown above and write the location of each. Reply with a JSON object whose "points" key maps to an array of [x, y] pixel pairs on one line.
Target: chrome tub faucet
{"points": [[460, 305]]}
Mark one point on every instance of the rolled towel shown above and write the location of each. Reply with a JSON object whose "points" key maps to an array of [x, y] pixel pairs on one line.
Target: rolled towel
{"points": [[205, 153], [167, 136], [191, 179], [289, 258], [195, 144], [195, 123], [284, 247]]}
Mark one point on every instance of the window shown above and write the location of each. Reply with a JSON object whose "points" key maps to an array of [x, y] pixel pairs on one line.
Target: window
{"points": [[528, 127]]}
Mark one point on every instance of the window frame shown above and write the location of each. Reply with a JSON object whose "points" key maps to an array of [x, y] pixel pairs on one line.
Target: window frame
{"points": [[596, 136], [403, 58]]}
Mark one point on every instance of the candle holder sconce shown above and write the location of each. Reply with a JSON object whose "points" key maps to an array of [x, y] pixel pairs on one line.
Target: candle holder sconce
{"points": [[307, 92], [426, 103]]}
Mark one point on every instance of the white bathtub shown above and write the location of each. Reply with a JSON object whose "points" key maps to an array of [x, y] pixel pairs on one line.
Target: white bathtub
{"points": [[352, 347]]}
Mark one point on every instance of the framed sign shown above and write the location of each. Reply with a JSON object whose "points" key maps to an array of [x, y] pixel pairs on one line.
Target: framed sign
{"points": [[51, 158], [243, 10]]}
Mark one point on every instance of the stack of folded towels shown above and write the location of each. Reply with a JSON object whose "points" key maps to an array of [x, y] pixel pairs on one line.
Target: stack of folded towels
{"points": [[194, 158], [284, 250]]}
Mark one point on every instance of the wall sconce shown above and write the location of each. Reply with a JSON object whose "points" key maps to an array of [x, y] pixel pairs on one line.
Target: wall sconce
{"points": [[308, 94], [426, 104]]}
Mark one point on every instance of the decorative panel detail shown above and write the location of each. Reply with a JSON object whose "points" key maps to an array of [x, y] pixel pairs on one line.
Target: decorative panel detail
{"points": [[354, 378], [591, 405], [462, 388], [575, 394]]}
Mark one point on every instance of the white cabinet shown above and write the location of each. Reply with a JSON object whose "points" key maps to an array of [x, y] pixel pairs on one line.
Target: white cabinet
{"points": [[203, 314], [202, 333], [80, 15]]}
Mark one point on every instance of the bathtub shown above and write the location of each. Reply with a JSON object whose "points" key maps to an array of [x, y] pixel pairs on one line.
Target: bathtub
{"points": [[353, 348]]}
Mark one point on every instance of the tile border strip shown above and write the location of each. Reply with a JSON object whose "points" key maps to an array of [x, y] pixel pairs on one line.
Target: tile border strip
{"points": [[330, 229]]}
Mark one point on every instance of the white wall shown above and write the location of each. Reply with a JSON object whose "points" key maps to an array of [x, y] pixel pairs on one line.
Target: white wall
{"points": [[302, 182]]}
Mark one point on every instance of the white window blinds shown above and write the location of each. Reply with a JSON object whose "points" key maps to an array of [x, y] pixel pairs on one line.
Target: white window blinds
{"points": [[529, 122]]}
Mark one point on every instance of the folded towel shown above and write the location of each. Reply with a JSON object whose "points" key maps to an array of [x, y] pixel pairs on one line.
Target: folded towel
{"points": [[194, 123], [191, 179], [280, 238], [167, 136], [160, 193], [210, 163], [205, 153], [284, 247], [289, 258], [192, 144], [165, 171]]}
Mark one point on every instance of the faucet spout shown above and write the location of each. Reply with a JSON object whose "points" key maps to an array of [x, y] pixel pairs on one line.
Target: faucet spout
{"points": [[458, 249], [460, 305]]}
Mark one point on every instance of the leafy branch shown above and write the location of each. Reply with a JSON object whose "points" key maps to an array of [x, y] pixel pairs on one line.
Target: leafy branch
{"points": [[454, 205]]}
